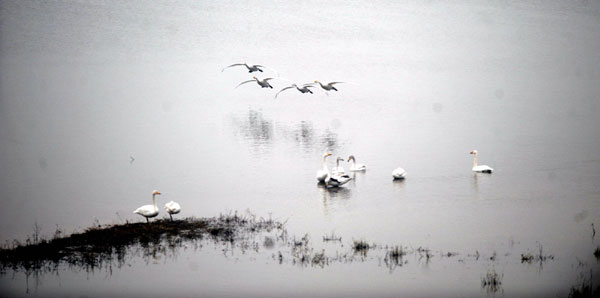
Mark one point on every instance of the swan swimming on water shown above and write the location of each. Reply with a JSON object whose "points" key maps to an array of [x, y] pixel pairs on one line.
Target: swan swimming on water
{"points": [[263, 84], [482, 168], [302, 89], [251, 68], [338, 170], [399, 173], [355, 167], [172, 208], [148, 211], [337, 180], [323, 173], [328, 86]]}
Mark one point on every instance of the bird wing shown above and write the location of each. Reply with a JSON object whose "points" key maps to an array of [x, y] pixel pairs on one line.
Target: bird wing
{"points": [[283, 90], [244, 82], [266, 79], [232, 65], [333, 83], [309, 85]]}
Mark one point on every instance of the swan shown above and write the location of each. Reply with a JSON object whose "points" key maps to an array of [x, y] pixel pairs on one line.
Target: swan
{"points": [[303, 88], [399, 173], [251, 68], [148, 211], [338, 169], [355, 167], [337, 180], [172, 208], [324, 172], [328, 86], [263, 84], [482, 168]]}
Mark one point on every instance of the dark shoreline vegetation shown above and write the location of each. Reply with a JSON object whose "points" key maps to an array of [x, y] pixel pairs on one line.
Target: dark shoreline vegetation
{"points": [[102, 247]]}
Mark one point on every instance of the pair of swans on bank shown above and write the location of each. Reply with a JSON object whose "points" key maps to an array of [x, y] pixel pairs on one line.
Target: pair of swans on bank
{"points": [[149, 211]]}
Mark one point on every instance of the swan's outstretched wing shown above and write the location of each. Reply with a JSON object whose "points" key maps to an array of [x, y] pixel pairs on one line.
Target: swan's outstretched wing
{"points": [[266, 79], [333, 83], [284, 90], [244, 82], [232, 65], [309, 85]]}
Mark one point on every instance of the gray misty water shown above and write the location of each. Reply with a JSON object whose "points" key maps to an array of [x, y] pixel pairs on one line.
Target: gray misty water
{"points": [[84, 86]]}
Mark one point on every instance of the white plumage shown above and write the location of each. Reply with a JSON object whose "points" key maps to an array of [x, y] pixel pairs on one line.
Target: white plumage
{"points": [[481, 168], [149, 211], [399, 173], [323, 173], [355, 167], [172, 208]]}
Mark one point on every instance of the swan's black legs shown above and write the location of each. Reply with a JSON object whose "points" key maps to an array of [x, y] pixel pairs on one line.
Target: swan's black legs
{"points": [[147, 221], [171, 216]]}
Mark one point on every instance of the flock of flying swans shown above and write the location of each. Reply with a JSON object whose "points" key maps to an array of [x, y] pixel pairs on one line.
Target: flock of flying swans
{"points": [[336, 177], [304, 88]]}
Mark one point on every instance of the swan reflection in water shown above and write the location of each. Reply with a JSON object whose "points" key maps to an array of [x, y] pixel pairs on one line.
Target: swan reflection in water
{"points": [[333, 197]]}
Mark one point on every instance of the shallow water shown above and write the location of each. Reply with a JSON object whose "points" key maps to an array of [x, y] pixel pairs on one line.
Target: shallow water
{"points": [[84, 86]]}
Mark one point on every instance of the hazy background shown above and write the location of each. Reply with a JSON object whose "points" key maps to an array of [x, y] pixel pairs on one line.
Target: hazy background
{"points": [[85, 85]]}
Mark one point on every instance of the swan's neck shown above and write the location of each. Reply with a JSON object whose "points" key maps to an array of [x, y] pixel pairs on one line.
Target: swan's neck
{"points": [[154, 201], [352, 164], [325, 164], [321, 84], [337, 163], [475, 160]]}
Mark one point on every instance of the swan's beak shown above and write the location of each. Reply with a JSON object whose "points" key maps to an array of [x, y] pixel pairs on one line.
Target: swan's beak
{"points": [[328, 154], [472, 152], [316, 81]]}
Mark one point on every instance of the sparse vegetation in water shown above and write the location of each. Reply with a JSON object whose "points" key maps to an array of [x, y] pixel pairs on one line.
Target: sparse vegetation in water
{"points": [[585, 289], [540, 257], [393, 257], [360, 247], [492, 281], [331, 237], [103, 244]]}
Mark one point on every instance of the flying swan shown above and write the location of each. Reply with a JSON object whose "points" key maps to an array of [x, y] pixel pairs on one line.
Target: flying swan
{"points": [[251, 68], [329, 86], [482, 168], [263, 84], [148, 211], [303, 88]]}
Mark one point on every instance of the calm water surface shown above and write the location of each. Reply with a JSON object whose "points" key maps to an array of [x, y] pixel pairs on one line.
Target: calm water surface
{"points": [[86, 85]]}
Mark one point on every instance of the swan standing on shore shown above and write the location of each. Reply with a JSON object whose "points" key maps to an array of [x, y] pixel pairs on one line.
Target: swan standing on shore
{"points": [[482, 168], [355, 167], [303, 88], [263, 84], [338, 170], [172, 208], [148, 211], [251, 68], [399, 173], [329, 86]]}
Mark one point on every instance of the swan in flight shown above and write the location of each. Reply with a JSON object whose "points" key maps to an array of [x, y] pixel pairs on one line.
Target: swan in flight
{"points": [[329, 86], [338, 170], [337, 180], [263, 84], [399, 173], [251, 68], [148, 211], [303, 88], [482, 168], [172, 208], [355, 167], [324, 172]]}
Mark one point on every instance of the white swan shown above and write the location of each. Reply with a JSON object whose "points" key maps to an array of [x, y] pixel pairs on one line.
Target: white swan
{"points": [[329, 86], [263, 84], [482, 168], [148, 211], [355, 167], [336, 180], [302, 89], [399, 173], [172, 208], [251, 68], [323, 173], [338, 170]]}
